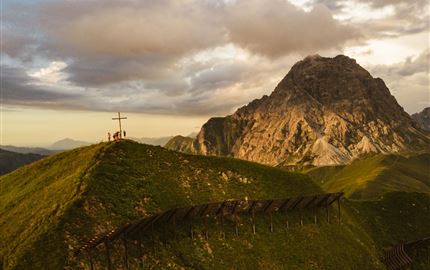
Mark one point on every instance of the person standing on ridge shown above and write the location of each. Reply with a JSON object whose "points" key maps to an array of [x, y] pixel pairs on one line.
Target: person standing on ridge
{"points": [[124, 133], [109, 136]]}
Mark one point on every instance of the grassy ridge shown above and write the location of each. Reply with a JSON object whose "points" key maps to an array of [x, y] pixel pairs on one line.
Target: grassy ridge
{"points": [[371, 177], [79, 193]]}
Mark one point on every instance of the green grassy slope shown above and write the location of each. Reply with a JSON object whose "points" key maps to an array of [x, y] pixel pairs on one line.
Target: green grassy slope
{"points": [[35, 197], [47, 208], [373, 176], [396, 217]]}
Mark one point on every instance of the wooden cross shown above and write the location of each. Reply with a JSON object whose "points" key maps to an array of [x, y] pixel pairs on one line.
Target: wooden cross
{"points": [[119, 120]]}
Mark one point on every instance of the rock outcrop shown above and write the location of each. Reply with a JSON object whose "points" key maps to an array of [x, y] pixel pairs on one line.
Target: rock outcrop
{"points": [[325, 111], [423, 118]]}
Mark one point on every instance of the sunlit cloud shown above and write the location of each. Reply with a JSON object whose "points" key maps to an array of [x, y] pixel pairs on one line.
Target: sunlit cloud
{"points": [[50, 74]]}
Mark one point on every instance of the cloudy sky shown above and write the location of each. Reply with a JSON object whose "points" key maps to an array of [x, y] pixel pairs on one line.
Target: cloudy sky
{"points": [[67, 66]]}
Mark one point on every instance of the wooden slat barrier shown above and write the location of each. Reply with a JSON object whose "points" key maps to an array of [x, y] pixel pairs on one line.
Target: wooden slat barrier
{"points": [[217, 210], [397, 257]]}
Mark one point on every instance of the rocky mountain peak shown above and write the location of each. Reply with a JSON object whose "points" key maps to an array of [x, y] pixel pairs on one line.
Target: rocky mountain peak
{"points": [[325, 111]]}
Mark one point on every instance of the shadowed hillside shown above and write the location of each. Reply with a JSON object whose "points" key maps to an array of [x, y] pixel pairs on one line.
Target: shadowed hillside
{"points": [[9, 161]]}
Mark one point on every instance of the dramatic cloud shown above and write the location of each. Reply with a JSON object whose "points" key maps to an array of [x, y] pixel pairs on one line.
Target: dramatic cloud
{"points": [[383, 18], [20, 89], [129, 39], [168, 28], [187, 57], [276, 28]]}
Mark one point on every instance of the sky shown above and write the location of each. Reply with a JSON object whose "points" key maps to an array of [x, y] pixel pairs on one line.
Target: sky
{"points": [[68, 66]]}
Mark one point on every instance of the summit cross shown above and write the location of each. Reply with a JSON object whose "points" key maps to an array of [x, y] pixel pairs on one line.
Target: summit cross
{"points": [[119, 118]]}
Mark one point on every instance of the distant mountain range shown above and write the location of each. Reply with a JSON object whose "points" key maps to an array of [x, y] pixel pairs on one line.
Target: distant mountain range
{"points": [[68, 143], [326, 111], [28, 150], [10, 161]]}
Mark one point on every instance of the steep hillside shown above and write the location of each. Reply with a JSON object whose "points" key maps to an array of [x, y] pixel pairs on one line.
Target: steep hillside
{"points": [[374, 176], [326, 111], [34, 200], [9, 161], [423, 118], [49, 207], [396, 217]]}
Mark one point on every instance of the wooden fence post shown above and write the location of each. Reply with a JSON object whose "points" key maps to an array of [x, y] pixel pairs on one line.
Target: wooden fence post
{"points": [[109, 263]]}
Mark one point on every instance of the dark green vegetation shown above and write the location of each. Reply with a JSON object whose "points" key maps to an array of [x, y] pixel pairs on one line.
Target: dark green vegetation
{"points": [[374, 176], [9, 161], [52, 206], [397, 217]]}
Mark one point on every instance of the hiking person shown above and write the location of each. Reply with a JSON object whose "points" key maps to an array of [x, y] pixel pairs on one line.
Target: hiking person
{"points": [[109, 136], [124, 133]]}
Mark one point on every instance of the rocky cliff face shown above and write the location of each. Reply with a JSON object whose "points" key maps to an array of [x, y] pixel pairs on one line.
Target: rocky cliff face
{"points": [[325, 111], [423, 118]]}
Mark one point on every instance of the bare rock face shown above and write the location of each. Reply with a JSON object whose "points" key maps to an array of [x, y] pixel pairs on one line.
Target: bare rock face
{"points": [[423, 118], [325, 111]]}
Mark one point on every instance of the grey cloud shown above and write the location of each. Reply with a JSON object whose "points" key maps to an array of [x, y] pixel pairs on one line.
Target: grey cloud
{"points": [[383, 3], [407, 68], [175, 96], [101, 71], [19, 89], [133, 29], [408, 81], [275, 28], [14, 45], [219, 75], [409, 17], [144, 36], [128, 54]]}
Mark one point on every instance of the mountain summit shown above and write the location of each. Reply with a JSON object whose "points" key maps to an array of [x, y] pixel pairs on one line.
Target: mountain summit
{"points": [[325, 111]]}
